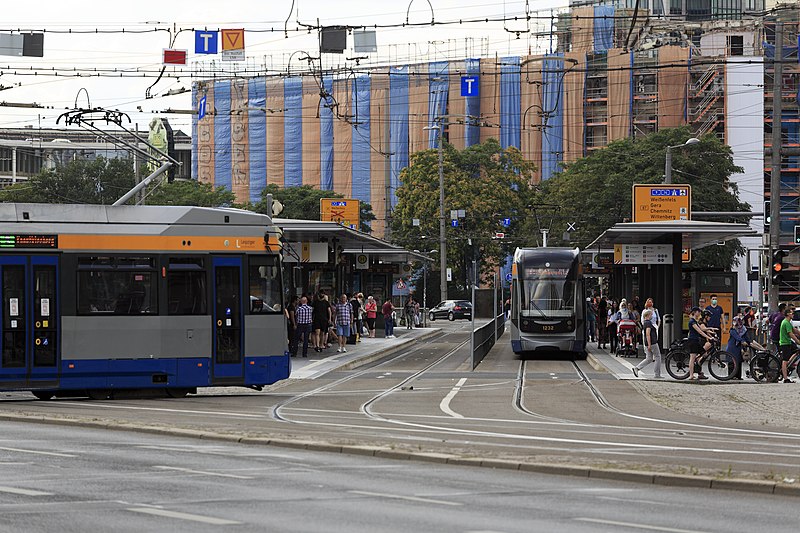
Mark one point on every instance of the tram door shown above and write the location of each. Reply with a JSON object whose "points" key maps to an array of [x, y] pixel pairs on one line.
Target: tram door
{"points": [[30, 321], [228, 321]]}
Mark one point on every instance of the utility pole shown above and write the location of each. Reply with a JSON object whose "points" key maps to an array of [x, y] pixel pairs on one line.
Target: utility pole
{"points": [[775, 176], [442, 228]]}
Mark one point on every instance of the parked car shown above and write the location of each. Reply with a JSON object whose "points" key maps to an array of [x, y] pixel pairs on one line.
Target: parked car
{"points": [[451, 309]]}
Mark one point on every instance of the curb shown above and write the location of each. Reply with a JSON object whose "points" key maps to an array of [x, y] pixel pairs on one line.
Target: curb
{"points": [[371, 358], [595, 363], [631, 476]]}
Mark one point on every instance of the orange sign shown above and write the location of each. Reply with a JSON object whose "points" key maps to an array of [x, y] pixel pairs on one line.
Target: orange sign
{"points": [[660, 202], [686, 255], [233, 39], [344, 211]]}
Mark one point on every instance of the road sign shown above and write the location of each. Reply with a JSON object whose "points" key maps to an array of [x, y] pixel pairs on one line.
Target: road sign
{"points": [[454, 223], [506, 222], [499, 235], [449, 274], [233, 45], [206, 42], [508, 276], [201, 108], [654, 203], [174, 57], [642, 254], [344, 211], [470, 86]]}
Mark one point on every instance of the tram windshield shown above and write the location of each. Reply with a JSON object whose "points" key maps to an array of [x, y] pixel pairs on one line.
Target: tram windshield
{"points": [[548, 292]]}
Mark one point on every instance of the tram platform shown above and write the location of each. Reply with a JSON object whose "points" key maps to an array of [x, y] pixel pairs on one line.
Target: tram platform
{"points": [[368, 350], [620, 367]]}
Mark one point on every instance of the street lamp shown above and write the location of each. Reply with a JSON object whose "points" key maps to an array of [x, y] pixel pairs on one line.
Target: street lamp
{"points": [[668, 161], [442, 237]]}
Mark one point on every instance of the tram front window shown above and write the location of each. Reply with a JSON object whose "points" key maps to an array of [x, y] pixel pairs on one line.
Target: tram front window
{"points": [[548, 293]]}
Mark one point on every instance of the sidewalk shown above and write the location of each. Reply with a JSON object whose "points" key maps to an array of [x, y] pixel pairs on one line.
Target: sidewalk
{"points": [[621, 367], [366, 351]]}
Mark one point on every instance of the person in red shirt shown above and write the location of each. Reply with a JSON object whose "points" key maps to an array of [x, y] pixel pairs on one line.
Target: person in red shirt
{"points": [[388, 310], [371, 308]]}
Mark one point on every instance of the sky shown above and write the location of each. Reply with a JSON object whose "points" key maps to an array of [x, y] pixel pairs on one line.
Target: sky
{"points": [[71, 46]]}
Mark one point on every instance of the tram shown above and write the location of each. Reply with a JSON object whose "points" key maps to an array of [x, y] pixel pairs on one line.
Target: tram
{"points": [[547, 309], [101, 298]]}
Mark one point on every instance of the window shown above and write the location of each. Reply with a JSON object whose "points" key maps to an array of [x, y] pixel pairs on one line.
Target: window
{"points": [[187, 293], [736, 45], [117, 286], [265, 285]]}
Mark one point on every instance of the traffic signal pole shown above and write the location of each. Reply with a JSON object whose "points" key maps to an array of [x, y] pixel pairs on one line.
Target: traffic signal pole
{"points": [[775, 175]]}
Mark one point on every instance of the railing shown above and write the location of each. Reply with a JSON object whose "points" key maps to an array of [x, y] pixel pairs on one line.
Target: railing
{"points": [[484, 337]]}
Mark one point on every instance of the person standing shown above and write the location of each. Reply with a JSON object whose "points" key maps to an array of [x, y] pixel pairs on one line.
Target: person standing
{"points": [[388, 321], [371, 308], [787, 335], [775, 319], [322, 318], [291, 320], [408, 310], [357, 306], [602, 322], [590, 318], [303, 314], [697, 332], [716, 319], [739, 338], [344, 317], [652, 353]]}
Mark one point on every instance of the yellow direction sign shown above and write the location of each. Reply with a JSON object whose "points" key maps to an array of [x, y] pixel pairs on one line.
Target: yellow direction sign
{"points": [[344, 211], [655, 203]]}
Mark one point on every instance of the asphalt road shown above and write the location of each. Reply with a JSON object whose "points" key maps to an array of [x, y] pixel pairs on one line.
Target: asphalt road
{"points": [[66, 479]]}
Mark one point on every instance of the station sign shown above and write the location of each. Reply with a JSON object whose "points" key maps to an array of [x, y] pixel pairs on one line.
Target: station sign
{"points": [[642, 254], [344, 211], [660, 202]]}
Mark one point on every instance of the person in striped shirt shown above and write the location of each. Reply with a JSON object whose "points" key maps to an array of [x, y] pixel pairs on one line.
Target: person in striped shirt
{"points": [[303, 315]]}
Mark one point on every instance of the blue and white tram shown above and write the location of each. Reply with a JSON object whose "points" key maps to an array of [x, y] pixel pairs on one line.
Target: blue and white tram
{"points": [[547, 309], [101, 298]]}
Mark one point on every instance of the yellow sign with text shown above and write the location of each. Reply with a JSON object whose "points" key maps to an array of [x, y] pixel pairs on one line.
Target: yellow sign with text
{"points": [[343, 211], [660, 202]]}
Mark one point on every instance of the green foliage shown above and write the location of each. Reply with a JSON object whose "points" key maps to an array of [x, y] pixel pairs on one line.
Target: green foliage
{"points": [[302, 203], [488, 182], [190, 192], [100, 181], [596, 191]]}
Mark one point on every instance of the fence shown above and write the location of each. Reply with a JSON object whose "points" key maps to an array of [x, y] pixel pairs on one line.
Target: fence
{"points": [[485, 337]]}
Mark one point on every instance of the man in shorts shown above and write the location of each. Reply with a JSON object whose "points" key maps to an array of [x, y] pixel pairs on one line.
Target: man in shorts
{"points": [[787, 335], [344, 317]]}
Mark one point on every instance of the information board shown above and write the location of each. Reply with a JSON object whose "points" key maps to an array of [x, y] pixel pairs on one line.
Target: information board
{"points": [[642, 254], [659, 202], [343, 211], [28, 241]]}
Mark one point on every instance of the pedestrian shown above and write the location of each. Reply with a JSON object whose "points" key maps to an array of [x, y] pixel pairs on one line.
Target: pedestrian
{"points": [[408, 311], [697, 332], [291, 319], [611, 329], [739, 338], [371, 308], [388, 319], [749, 321], [507, 308], [602, 322], [717, 318], [652, 353], [357, 306], [655, 317], [322, 317], [416, 313], [344, 318], [775, 319], [304, 314], [787, 335], [590, 318]]}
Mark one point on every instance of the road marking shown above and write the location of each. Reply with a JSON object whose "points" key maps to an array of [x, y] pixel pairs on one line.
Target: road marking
{"points": [[444, 405], [24, 492], [161, 409], [203, 472], [37, 452], [400, 497], [636, 526], [184, 516]]}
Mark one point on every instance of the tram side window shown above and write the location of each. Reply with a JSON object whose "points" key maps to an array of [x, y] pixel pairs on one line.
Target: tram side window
{"points": [[117, 286], [187, 293], [265, 293]]}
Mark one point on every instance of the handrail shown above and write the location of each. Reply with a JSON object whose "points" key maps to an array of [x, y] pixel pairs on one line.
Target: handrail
{"points": [[484, 338]]}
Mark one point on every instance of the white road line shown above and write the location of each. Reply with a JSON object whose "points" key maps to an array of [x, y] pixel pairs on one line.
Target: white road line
{"points": [[184, 516], [24, 492], [636, 526], [202, 472], [444, 405], [37, 452], [183, 411], [400, 497]]}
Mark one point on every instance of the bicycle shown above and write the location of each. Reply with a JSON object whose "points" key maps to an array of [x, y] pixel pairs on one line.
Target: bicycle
{"points": [[766, 366], [721, 363]]}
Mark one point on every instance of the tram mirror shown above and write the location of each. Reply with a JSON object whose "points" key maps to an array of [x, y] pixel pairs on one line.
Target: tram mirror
{"points": [[298, 276]]}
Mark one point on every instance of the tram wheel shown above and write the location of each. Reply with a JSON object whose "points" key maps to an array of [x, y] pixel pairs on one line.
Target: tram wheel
{"points": [[99, 394], [178, 393], [43, 395]]}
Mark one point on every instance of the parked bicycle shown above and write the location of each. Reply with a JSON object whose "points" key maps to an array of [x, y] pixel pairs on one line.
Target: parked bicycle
{"points": [[721, 364]]}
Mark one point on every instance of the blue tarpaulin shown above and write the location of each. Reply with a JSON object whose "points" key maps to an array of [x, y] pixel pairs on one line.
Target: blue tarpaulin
{"points": [[257, 121], [326, 136], [439, 85], [510, 102], [222, 134], [603, 28], [293, 132], [362, 156], [398, 128], [552, 102], [472, 131]]}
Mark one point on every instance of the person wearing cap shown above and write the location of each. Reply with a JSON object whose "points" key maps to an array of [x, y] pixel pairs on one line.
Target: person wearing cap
{"points": [[697, 331]]}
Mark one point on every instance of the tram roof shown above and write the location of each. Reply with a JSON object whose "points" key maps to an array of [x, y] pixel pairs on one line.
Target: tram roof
{"points": [[695, 233]]}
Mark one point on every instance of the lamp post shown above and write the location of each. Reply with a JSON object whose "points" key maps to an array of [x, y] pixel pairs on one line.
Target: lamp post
{"points": [[425, 288], [668, 161], [442, 236]]}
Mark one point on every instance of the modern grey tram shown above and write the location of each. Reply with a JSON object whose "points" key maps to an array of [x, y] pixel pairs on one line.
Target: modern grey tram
{"points": [[547, 310], [101, 298]]}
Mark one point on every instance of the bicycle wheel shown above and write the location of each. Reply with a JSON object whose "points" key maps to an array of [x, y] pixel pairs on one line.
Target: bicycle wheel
{"points": [[722, 365], [765, 367], [677, 364]]}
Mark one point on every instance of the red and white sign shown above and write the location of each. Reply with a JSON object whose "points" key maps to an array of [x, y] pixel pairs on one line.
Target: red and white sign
{"points": [[499, 235], [174, 57]]}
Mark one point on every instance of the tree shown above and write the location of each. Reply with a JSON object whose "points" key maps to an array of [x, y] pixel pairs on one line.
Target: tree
{"points": [[190, 192], [302, 203], [595, 192], [488, 182], [100, 181]]}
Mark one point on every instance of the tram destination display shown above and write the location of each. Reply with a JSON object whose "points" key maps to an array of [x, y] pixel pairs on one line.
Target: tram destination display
{"points": [[28, 241]]}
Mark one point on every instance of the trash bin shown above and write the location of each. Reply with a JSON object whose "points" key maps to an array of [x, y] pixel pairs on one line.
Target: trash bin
{"points": [[667, 330]]}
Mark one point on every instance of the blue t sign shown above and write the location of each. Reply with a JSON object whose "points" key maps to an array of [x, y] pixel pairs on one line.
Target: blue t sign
{"points": [[470, 86], [205, 42]]}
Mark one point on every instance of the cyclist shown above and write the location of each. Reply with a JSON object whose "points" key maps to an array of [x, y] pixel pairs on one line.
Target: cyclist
{"points": [[697, 331], [787, 335]]}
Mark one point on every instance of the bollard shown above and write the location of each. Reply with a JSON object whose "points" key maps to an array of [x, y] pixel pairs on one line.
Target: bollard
{"points": [[666, 330]]}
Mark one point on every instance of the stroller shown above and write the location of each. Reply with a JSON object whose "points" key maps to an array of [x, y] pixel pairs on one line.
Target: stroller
{"points": [[627, 338]]}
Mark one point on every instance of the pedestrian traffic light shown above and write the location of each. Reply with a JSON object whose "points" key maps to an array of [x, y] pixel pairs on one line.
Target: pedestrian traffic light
{"points": [[767, 216], [778, 266]]}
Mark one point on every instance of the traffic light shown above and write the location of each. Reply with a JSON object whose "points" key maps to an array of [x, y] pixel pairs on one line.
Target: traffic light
{"points": [[767, 217], [797, 234], [778, 266]]}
